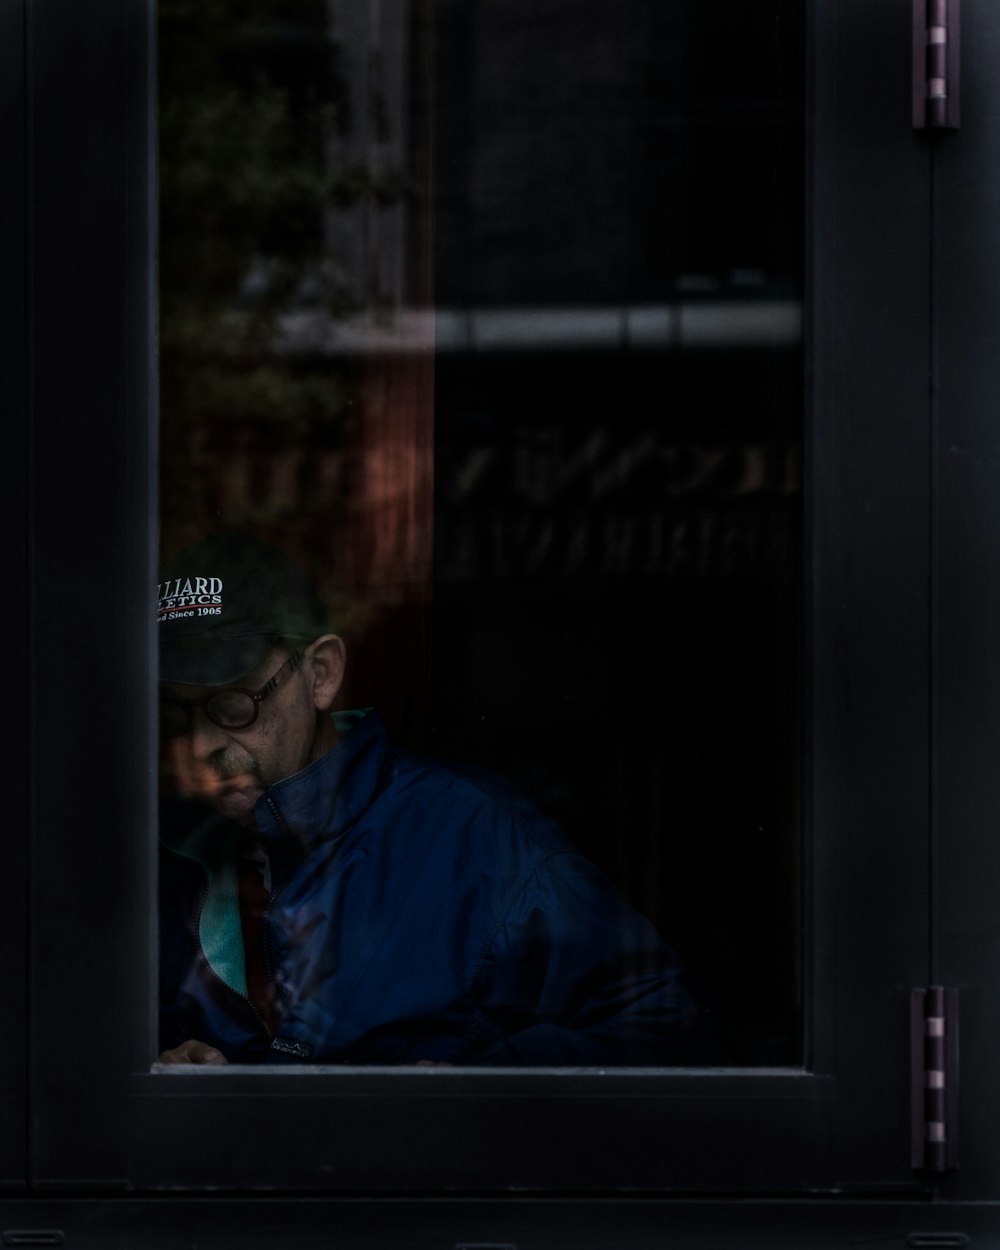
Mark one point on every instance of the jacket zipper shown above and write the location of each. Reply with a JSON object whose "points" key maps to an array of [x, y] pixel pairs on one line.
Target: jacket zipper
{"points": [[268, 959]]}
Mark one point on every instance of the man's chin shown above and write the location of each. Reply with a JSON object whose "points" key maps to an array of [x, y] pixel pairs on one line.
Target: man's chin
{"points": [[237, 803]]}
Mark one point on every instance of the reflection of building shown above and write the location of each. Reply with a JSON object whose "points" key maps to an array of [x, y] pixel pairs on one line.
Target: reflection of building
{"points": [[617, 436], [589, 153]]}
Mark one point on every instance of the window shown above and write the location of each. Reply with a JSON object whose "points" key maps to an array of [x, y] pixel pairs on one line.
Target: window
{"points": [[458, 308], [878, 731]]}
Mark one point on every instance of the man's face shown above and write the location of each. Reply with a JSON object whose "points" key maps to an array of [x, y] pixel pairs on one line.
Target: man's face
{"points": [[231, 768]]}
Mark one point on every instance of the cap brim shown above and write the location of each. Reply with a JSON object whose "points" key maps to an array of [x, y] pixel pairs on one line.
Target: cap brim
{"points": [[210, 661]]}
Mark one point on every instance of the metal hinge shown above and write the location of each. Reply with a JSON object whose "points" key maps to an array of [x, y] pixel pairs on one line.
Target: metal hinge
{"points": [[934, 1068], [936, 64]]}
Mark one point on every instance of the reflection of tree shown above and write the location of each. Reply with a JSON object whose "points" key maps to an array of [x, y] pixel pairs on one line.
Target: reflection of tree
{"points": [[242, 144], [252, 101]]}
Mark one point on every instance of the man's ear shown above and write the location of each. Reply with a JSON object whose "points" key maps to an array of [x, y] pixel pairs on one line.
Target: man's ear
{"points": [[324, 664]]}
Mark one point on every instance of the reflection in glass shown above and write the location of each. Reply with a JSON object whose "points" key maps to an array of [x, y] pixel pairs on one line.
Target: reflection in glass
{"points": [[490, 315]]}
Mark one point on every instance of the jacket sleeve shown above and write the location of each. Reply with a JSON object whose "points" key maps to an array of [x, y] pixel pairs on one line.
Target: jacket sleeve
{"points": [[575, 976]]}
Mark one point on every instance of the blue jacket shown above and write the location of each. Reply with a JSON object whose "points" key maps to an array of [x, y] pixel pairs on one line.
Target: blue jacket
{"points": [[418, 912]]}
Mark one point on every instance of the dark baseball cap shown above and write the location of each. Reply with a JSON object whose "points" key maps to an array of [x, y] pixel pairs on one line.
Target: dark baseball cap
{"points": [[224, 602]]}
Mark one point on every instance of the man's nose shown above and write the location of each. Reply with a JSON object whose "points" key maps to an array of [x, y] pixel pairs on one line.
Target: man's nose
{"points": [[204, 738], [190, 756]]}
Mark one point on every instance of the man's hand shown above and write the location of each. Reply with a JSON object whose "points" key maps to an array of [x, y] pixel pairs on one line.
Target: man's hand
{"points": [[193, 1052]]}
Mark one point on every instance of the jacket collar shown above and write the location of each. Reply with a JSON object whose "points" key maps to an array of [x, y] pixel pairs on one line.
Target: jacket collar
{"points": [[322, 802]]}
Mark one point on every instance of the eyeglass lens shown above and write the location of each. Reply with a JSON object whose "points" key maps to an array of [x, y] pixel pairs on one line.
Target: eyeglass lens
{"points": [[230, 709]]}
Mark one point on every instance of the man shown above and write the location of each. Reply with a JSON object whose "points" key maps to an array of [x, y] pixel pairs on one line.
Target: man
{"points": [[329, 898]]}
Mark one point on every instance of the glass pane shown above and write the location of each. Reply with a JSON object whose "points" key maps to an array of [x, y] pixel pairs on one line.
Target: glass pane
{"points": [[488, 315]]}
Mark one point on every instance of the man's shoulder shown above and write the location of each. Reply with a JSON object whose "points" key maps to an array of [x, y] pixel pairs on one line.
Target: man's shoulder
{"points": [[459, 800], [367, 756]]}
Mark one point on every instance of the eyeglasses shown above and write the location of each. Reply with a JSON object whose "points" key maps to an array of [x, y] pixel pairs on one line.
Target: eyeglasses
{"points": [[232, 707]]}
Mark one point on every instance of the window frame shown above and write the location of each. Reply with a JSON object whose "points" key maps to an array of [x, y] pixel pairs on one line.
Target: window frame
{"points": [[14, 392], [966, 940]]}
